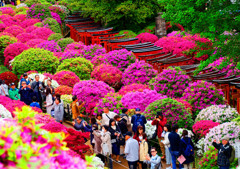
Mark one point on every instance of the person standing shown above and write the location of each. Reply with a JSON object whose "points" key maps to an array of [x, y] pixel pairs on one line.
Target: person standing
{"points": [[37, 87], [76, 107], [58, 110], [49, 100], [79, 124], [125, 116], [143, 150], [174, 140], [138, 120], [131, 150], [49, 84], [106, 145], [155, 160], [121, 123], [107, 115], [224, 153], [167, 129], [34, 102], [24, 79], [26, 93], [13, 92]]}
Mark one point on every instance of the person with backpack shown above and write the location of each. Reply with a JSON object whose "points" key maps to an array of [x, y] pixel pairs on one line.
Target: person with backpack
{"points": [[138, 120], [155, 160], [187, 150], [226, 153], [125, 116]]}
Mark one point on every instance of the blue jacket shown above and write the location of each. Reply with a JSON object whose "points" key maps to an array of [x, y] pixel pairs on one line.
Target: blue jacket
{"points": [[24, 80], [135, 121], [183, 147], [35, 104], [224, 153], [26, 95], [174, 140], [79, 126]]}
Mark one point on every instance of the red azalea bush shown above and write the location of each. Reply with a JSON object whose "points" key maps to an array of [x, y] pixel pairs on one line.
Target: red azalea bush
{"points": [[66, 78], [8, 11], [14, 30], [108, 74], [24, 37], [62, 90], [34, 42], [147, 37], [9, 77], [135, 87], [202, 127], [42, 33]]}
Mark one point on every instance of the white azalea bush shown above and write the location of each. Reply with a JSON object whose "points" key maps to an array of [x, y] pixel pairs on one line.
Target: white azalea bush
{"points": [[200, 147], [229, 129], [97, 163], [190, 133], [4, 113], [150, 129], [217, 113]]}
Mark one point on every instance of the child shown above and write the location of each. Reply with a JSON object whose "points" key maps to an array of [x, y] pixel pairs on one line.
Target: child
{"points": [[155, 160], [49, 100], [99, 120], [35, 103]]}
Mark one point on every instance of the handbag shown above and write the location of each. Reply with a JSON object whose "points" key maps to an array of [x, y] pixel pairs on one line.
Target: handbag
{"points": [[105, 149], [120, 139]]}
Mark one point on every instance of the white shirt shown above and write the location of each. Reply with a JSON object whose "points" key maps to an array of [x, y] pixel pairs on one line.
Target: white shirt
{"points": [[132, 150], [107, 117], [49, 100]]}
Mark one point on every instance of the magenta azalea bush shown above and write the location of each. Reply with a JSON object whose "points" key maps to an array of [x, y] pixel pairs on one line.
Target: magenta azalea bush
{"points": [[51, 46], [173, 110], [42, 33], [39, 11], [29, 29], [24, 37], [146, 37], [171, 82], [108, 74], [91, 91], [20, 17], [76, 46], [70, 54], [29, 22], [134, 87], [201, 94], [202, 127], [14, 30], [120, 58], [34, 42], [98, 60], [112, 101], [90, 51], [133, 100], [66, 78], [138, 72], [56, 17]]}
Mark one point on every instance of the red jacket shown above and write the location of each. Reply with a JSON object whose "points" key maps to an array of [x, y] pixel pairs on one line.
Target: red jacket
{"points": [[160, 124]]}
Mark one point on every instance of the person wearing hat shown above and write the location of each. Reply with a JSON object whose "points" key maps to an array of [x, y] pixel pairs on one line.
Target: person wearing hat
{"points": [[160, 122], [138, 120], [13, 92], [131, 150], [224, 152]]}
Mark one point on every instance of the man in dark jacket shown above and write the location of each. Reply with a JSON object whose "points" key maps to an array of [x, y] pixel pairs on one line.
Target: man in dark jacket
{"points": [[224, 153], [138, 120], [26, 93], [79, 124], [174, 140], [122, 124], [37, 87]]}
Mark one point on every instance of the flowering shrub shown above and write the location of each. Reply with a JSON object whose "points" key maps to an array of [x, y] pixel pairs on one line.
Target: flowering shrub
{"points": [[34, 42], [2, 27], [133, 100], [90, 51], [91, 91], [108, 74], [201, 94], [228, 129], [209, 159], [20, 17], [190, 133], [76, 46], [133, 88], [138, 72], [43, 33], [59, 11], [127, 33], [56, 37], [80, 66], [9, 77], [38, 11], [200, 147], [48, 75], [7, 11], [150, 129], [4, 42], [14, 30], [171, 82], [52, 24], [11, 105], [35, 59], [146, 37], [98, 60], [120, 58], [217, 113], [66, 78], [112, 101], [4, 113], [178, 34], [12, 51], [173, 110], [70, 54], [64, 42], [63, 90], [58, 54], [29, 22], [187, 105], [202, 127], [43, 118], [62, 6], [54, 127], [56, 17], [50, 46], [24, 37]]}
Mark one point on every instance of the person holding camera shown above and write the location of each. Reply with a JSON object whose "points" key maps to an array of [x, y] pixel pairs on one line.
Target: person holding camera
{"points": [[37, 87], [26, 93], [78, 125], [25, 79], [160, 122]]}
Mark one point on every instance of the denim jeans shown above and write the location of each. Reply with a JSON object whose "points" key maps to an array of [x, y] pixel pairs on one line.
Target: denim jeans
{"points": [[132, 165], [223, 167], [175, 155]]}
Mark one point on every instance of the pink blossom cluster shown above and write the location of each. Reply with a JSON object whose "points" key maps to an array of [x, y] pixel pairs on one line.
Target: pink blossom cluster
{"points": [[90, 51], [178, 34], [51, 46], [7, 11], [76, 46], [187, 105], [56, 17], [70, 54], [132, 88], [98, 60], [29, 29], [138, 72], [20, 17], [24, 37], [14, 30], [202, 127], [66, 78], [29, 22], [42, 33], [54, 127], [34, 42], [146, 37]]}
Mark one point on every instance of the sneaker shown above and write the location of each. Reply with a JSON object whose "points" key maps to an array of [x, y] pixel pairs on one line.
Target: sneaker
{"points": [[119, 161]]}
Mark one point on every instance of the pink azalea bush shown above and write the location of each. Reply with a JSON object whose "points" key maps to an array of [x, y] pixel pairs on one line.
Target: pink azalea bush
{"points": [[29, 29], [98, 60], [39, 11], [54, 127], [138, 72], [56, 17], [48, 75], [50, 46], [108, 74], [133, 100], [133, 88], [42, 33], [202, 127], [90, 51], [201, 94], [2, 27], [24, 37], [34, 42], [29, 22], [20, 17], [173, 110], [14, 30], [70, 54], [66, 78], [91, 91], [187, 105], [171, 82], [178, 34], [11, 105], [146, 37], [76, 46], [120, 58], [7, 11]]}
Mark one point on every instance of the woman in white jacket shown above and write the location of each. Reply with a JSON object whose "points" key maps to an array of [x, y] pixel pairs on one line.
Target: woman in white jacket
{"points": [[106, 145], [167, 129], [49, 100]]}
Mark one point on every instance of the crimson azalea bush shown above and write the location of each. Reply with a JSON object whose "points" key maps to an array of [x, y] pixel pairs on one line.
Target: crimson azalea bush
{"points": [[201, 128], [91, 91], [7, 11], [112, 101], [187, 105], [132, 88], [50, 46], [64, 42], [120, 58], [108, 74], [12, 51], [201, 94], [138, 72], [9, 77], [173, 110], [171, 82], [56, 37], [14, 30], [38, 11], [80, 66], [66, 78], [90, 51], [62, 90], [35, 59], [34, 42], [2, 27], [54, 127], [24, 37], [42, 33], [146, 37], [141, 100]]}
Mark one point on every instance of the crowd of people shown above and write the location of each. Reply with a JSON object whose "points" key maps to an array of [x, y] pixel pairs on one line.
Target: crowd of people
{"points": [[5, 2], [113, 135]]}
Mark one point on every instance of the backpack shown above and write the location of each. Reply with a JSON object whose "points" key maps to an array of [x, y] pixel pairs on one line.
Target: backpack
{"points": [[139, 121], [189, 149], [232, 157]]}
